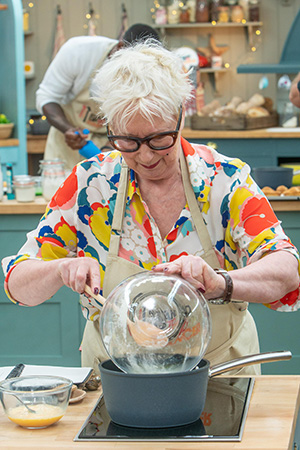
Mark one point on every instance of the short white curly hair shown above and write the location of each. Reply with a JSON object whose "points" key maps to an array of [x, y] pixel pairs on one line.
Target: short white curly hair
{"points": [[144, 77]]}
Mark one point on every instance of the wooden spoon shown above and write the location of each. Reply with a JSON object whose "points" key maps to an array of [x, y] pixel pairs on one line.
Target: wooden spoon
{"points": [[101, 300]]}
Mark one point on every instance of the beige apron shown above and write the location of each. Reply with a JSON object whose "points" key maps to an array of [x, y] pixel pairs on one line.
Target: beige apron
{"points": [[81, 112], [233, 329]]}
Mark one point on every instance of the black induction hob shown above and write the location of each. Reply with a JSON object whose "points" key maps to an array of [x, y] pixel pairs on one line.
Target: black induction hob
{"points": [[223, 418]]}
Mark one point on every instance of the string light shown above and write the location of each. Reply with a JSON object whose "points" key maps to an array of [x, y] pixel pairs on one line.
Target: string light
{"points": [[258, 32], [31, 5], [214, 23]]}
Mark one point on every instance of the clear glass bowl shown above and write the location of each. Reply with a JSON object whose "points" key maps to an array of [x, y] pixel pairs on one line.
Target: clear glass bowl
{"points": [[47, 396], [155, 323]]}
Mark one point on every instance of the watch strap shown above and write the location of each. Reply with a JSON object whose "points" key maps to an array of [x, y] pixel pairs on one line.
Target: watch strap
{"points": [[228, 289]]}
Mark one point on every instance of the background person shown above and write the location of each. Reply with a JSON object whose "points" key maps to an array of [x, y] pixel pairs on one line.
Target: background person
{"points": [[158, 202], [295, 91], [64, 98]]}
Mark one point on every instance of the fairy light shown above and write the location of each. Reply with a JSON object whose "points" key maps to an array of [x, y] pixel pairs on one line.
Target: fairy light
{"points": [[152, 10], [214, 22], [253, 49], [88, 16], [85, 26], [227, 65], [258, 32], [43, 117], [244, 21], [31, 121], [31, 5]]}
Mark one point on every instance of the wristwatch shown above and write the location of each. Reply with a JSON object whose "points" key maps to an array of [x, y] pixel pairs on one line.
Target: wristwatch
{"points": [[228, 289]]}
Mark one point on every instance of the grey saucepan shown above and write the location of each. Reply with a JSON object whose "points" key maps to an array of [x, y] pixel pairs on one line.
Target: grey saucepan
{"points": [[166, 399]]}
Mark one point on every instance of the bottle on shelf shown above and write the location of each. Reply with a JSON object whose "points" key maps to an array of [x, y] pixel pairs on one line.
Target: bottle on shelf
{"points": [[173, 12], [245, 5], [9, 182], [202, 11], [214, 10], [191, 4], [254, 13]]}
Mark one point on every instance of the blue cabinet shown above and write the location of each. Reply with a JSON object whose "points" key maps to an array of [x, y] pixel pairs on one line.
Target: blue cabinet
{"points": [[46, 334]]}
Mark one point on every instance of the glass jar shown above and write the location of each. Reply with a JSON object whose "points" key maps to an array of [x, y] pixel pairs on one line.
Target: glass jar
{"points": [[245, 5], [214, 9], [254, 11], [237, 14], [223, 14], [53, 175], [24, 186], [184, 14], [161, 15], [191, 4], [173, 12], [25, 21], [202, 11]]}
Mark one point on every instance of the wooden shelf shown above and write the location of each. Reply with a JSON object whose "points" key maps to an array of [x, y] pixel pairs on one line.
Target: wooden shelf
{"points": [[208, 25], [9, 142], [262, 133]]}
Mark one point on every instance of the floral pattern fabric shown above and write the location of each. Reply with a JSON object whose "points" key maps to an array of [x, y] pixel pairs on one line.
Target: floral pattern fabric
{"points": [[78, 219]]}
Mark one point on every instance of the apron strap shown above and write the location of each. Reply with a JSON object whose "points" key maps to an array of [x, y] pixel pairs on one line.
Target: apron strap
{"points": [[119, 212], [209, 254]]}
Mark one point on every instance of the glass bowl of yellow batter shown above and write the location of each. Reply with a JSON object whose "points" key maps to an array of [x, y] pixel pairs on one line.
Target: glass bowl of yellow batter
{"points": [[35, 401]]}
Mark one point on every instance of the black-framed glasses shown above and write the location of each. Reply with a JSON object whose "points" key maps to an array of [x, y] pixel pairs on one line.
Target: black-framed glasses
{"points": [[157, 141]]}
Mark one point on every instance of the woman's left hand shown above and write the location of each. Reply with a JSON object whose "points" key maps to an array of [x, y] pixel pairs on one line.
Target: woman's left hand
{"points": [[197, 272]]}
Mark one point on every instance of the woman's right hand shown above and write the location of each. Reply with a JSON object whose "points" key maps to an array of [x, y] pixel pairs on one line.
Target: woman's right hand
{"points": [[77, 272]]}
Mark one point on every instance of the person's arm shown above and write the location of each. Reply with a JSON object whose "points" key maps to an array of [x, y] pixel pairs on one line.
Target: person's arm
{"points": [[74, 137], [32, 282], [295, 91], [264, 281]]}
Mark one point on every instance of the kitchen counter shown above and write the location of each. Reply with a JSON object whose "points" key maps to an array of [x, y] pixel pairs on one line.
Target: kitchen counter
{"points": [[39, 205], [270, 424]]}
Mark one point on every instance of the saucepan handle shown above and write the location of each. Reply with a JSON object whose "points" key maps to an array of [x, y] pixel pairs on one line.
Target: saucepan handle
{"points": [[248, 361]]}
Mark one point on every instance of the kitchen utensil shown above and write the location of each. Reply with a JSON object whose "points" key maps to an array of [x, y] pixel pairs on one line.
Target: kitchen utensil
{"points": [[152, 322], [273, 176], [166, 399], [47, 396]]}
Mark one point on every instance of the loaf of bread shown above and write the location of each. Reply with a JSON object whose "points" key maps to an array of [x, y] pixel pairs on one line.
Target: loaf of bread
{"points": [[281, 189], [269, 104], [234, 102], [256, 100], [224, 111], [268, 191], [210, 108], [293, 191], [258, 111]]}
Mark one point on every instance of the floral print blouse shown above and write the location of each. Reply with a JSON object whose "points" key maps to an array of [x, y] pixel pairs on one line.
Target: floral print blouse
{"points": [[239, 218]]}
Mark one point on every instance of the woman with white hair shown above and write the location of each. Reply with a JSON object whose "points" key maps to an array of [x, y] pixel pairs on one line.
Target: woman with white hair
{"points": [[158, 203]]}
